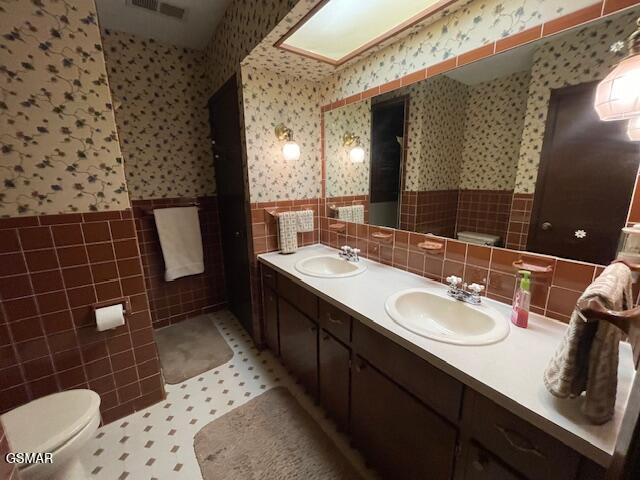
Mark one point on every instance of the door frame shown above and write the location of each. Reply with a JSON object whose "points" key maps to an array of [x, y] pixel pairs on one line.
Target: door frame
{"points": [[545, 153], [406, 100]]}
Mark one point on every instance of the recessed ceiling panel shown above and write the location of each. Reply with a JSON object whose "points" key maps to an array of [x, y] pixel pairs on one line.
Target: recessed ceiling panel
{"points": [[340, 29]]}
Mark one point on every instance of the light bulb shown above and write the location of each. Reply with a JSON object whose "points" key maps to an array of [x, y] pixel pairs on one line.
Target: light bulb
{"points": [[356, 154], [633, 130], [618, 95], [291, 151]]}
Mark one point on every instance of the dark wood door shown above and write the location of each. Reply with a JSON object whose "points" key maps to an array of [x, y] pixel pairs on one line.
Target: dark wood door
{"points": [[587, 172], [271, 320], [334, 378], [481, 465], [299, 345], [224, 119], [398, 435]]}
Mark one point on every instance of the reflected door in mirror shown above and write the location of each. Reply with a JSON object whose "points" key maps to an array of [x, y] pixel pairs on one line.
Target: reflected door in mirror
{"points": [[587, 174], [387, 137]]}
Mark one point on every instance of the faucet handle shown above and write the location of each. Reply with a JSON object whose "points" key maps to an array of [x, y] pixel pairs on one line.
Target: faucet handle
{"points": [[454, 281], [476, 289], [345, 248]]}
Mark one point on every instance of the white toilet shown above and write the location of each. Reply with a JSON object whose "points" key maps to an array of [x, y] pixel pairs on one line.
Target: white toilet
{"points": [[61, 424]]}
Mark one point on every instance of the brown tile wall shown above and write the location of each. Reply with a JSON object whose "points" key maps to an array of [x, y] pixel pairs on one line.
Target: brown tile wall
{"points": [[7, 470], [347, 201], [553, 294], [484, 211], [521, 207], [52, 269], [429, 212], [171, 302]]}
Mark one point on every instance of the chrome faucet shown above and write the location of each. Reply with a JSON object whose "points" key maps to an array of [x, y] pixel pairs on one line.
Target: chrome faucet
{"points": [[349, 254], [463, 292]]}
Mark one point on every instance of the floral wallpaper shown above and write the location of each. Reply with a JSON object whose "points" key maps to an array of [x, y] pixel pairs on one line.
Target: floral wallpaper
{"points": [[160, 94], [475, 24], [60, 150], [270, 99], [435, 133], [582, 56], [244, 25], [345, 178], [493, 131]]}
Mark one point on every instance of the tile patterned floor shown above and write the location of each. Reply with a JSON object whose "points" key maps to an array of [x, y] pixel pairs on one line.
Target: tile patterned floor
{"points": [[157, 443]]}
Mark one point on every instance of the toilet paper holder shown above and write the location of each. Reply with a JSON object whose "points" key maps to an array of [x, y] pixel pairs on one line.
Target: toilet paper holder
{"points": [[124, 301]]}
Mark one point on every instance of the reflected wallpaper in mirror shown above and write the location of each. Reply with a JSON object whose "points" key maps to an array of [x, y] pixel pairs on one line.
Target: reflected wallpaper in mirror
{"points": [[507, 151]]}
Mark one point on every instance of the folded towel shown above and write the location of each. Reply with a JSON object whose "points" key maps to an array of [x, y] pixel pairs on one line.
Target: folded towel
{"points": [[358, 213], [288, 231], [345, 213], [305, 220], [587, 359], [181, 241]]}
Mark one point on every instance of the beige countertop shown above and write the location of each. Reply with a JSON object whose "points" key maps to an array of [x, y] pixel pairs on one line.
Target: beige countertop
{"points": [[509, 372]]}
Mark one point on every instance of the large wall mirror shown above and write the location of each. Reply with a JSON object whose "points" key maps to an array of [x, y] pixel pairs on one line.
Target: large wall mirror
{"points": [[507, 151]]}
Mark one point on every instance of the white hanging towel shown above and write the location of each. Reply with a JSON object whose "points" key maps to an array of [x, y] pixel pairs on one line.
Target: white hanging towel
{"points": [[358, 213], [181, 241], [288, 231], [345, 213], [305, 220]]}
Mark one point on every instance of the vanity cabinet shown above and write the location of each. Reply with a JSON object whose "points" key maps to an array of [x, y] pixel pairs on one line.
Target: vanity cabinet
{"points": [[408, 418], [334, 372], [299, 345], [479, 464], [397, 434]]}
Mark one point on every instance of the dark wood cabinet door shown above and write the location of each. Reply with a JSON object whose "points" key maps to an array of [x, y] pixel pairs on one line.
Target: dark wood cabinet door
{"points": [[397, 434], [271, 336], [299, 345], [481, 465], [334, 378]]}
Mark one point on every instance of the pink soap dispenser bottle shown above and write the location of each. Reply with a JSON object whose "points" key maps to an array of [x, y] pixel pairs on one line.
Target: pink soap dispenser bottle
{"points": [[521, 300]]}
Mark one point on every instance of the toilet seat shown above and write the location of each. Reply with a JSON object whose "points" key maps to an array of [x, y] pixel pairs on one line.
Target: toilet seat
{"points": [[46, 424]]}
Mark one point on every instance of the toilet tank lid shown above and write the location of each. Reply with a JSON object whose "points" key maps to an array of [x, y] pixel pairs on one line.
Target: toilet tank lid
{"points": [[484, 237], [45, 424]]}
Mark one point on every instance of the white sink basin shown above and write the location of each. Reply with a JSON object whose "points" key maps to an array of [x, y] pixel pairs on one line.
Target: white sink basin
{"points": [[436, 316], [329, 266]]}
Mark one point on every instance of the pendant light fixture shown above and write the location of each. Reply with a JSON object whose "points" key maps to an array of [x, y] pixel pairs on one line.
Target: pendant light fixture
{"points": [[618, 95]]}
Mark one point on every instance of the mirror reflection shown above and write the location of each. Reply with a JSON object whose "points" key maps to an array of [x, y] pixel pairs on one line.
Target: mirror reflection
{"points": [[507, 151]]}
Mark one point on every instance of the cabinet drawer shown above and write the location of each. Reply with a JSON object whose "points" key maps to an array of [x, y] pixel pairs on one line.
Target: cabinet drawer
{"points": [[335, 321], [525, 448], [434, 387], [300, 298], [269, 277]]}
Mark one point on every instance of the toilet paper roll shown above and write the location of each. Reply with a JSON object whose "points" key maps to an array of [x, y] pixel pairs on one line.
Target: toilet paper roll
{"points": [[109, 317]]}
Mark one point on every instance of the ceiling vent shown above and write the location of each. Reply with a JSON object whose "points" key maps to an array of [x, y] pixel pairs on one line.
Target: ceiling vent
{"points": [[146, 4], [162, 8]]}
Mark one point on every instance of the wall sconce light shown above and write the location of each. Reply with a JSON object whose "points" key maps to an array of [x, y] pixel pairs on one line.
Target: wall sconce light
{"points": [[633, 130], [618, 95], [290, 149], [352, 143]]}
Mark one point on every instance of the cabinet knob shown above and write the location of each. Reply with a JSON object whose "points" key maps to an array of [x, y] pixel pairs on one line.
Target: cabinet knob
{"points": [[325, 337], [360, 366], [334, 320]]}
